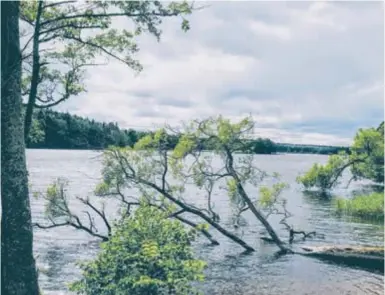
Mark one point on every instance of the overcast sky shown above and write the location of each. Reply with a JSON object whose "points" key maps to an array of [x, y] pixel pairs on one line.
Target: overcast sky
{"points": [[309, 72]]}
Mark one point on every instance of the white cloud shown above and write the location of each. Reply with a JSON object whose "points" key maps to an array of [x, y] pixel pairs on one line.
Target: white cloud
{"points": [[261, 28], [291, 65]]}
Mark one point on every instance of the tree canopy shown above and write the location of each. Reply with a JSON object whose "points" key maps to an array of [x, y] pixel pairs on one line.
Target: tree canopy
{"points": [[365, 160], [147, 254], [63, 38]]}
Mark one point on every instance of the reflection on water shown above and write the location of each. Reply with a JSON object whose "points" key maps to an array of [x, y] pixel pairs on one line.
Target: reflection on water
{"points": [[229, 272]]}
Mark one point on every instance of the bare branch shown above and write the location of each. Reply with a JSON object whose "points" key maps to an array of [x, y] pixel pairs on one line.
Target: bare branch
{"points": [[26, 44], [101, 213], [51, 225]]}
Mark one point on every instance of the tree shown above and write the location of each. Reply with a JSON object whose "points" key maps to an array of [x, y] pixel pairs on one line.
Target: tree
{"points": [[85, 32], [365, 160], [159, 177], [18, 270], [147, 254]]}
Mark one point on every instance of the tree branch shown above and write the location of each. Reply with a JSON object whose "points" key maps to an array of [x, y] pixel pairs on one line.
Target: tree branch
{"points": [[100, 213], [74, 26], [97, 47], [58, 3], [338, 174], [106, 15]]}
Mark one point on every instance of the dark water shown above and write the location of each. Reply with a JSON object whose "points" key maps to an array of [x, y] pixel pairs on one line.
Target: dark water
{"points": [[228, 272]]}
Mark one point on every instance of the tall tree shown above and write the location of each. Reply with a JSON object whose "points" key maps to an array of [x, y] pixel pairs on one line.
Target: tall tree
{"points": [[18, 270], [85, 32]]}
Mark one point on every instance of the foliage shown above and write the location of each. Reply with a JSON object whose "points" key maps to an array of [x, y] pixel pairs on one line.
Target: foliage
{"points": [[365, 160], [86, 32], [37, 132], [322, 176], [57, 130], [367, 206], [64, 131], [268, 197], [160, 177], [309, 149], [57, 202], [52, 129], [147, 254], [369, 145], [148, 166]]}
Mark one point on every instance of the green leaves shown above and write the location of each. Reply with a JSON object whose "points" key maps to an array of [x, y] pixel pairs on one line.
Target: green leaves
{"points": [[269, 196], [147, 254], [85, 32], [324, 176], [57, 203], [366, 160], [367, 206], [37, 134]]}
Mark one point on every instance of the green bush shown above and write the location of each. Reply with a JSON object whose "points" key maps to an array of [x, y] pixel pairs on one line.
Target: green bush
{"points": [[147, 254], [365, 160], [368, 207], [322, 176]]}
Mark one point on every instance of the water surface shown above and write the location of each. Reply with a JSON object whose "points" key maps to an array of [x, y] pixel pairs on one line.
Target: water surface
{"points": [[228, 271]]}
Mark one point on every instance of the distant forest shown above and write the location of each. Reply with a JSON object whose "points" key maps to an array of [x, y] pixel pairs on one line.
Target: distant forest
{"points": [[55, 130]]}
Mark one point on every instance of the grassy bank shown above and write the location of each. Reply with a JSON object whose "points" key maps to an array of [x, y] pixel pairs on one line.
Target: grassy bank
{"points": [[366, 206]]}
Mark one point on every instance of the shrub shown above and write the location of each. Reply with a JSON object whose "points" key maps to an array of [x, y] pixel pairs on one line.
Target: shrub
{"points": [[147, 254]]}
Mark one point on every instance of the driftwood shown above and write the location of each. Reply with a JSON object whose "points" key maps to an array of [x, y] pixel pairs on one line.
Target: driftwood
{"points": [[368, 258]]}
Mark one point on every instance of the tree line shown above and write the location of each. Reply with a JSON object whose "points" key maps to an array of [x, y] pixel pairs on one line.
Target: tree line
{"points": [[56, 130]]}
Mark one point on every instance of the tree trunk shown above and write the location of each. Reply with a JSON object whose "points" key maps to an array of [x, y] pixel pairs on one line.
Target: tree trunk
{"points": [[199, 213], [18, 269], [35, 76], [203, 231], [254, 210]]}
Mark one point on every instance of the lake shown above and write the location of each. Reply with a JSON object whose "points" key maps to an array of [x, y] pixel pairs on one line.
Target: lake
{"points": [[228, 272]]}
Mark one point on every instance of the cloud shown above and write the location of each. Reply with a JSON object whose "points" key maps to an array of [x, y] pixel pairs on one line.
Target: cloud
{"points": [[308, 72]]}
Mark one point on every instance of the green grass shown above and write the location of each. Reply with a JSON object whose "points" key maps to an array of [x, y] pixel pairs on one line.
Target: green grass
{"points": [[366, 206]]}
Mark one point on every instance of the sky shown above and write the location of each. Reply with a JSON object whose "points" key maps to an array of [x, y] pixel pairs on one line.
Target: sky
{"points": [[308, 72]]}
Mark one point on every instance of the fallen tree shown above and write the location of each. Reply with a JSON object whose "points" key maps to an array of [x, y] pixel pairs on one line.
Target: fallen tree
{"points": [[161, 177], [368, 258]]}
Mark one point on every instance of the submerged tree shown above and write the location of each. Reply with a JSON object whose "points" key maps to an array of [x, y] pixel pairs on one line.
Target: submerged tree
{"points": [[85, 31], [151, 173], [18, 270], [365, 160]]}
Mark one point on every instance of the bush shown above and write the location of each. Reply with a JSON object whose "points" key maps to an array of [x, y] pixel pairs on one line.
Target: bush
{"points": [[368, 207], [147, 254]]}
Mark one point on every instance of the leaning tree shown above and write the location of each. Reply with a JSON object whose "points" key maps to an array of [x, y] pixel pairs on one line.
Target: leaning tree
{"points": [[151, 173]]}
